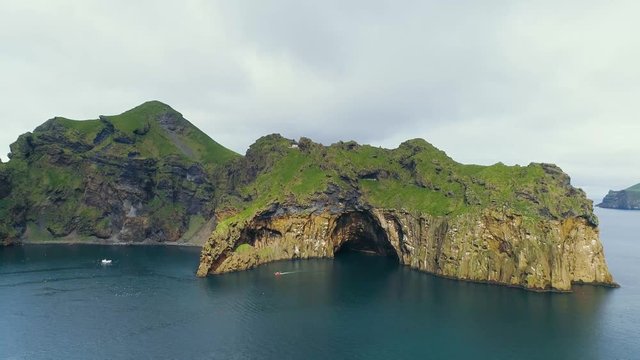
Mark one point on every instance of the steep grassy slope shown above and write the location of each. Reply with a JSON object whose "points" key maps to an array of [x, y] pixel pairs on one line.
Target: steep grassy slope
{"points": [[151, 130], [415, 177], [145, 174], [635, 188]]}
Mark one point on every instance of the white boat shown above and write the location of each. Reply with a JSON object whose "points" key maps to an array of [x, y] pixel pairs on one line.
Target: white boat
{"points": [[105, 262]]}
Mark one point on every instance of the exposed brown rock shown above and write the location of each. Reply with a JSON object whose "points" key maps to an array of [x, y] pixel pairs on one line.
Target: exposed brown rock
{"points": [[489, 246]]}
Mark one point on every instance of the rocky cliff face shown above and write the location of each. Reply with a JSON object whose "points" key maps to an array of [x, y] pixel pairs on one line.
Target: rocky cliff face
{"points": [[146, 175], [628, 199], [490, 246], [539, 235]]}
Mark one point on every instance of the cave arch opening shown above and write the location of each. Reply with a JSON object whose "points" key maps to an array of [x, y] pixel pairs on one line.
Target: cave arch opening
{"points": [[359, 231]]}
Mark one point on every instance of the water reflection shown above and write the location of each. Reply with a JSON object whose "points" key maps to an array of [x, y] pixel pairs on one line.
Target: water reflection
{"points": [[363, 302]]}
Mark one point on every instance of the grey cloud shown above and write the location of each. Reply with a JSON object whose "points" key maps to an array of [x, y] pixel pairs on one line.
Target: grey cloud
{"points": [[486, 82]]}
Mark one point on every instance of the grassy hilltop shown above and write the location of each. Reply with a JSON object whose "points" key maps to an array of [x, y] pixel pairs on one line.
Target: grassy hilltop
{"points": [[416, 177]]}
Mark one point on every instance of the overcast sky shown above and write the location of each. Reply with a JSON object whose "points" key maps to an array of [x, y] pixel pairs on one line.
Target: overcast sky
{"points": [[485, 81]]}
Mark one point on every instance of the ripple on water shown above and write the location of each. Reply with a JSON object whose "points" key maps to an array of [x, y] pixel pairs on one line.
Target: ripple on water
{"points": [[149, 304]]}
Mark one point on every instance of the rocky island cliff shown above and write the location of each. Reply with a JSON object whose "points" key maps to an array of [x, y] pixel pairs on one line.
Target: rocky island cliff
{"points": [[511, 225], [150, 176], [627, 199]]}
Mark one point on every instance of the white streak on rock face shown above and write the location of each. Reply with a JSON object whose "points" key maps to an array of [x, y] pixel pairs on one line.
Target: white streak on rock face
{"points": [[131, 209], [128, 208]]}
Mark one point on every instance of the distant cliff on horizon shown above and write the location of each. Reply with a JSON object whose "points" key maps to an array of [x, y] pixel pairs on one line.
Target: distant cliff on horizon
{"points": [[627, 199], [150, 176]]}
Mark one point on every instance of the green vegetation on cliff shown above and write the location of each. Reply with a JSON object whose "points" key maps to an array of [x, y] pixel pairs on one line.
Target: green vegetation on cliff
{"points": [[144, 174], [414, 177], [151, 130]]}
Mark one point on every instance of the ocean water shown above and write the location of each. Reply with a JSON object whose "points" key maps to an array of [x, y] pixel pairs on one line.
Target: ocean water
{"points": [[58, 302]]}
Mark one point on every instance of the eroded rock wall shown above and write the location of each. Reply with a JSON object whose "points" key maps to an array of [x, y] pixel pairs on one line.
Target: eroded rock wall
{"points": [[488, 246], [502, 248]]}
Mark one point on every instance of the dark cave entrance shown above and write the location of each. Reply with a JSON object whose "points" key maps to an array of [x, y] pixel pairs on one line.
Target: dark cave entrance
{"points": [[359, 232]]}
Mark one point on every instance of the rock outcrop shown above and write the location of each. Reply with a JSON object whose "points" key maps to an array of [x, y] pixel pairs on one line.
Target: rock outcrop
{"points": [[628, 199], [490, 246], [539, 234]]}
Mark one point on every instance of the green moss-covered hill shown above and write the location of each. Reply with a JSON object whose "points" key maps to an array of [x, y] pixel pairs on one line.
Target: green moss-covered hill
{"points": [[627, 199], [514, 225], [150, 175], [415, 177], [146, 174]]}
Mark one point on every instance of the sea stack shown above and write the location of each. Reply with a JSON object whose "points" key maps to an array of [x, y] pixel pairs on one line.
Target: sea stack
{"points": [[511, 225]]}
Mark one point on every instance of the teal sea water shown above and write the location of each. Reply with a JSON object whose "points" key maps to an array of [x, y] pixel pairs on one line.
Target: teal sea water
{"points": [[58, 302]]}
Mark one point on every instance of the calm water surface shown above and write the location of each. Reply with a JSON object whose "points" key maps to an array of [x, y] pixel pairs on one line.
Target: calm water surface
{"points": [[58, 302]]}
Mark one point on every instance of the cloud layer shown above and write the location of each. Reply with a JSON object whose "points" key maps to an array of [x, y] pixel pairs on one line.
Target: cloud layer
{"points": [[485, 81]]}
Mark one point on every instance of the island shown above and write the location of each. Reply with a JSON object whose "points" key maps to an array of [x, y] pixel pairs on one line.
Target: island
{"points": [[627, 199], [148, 176]]}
